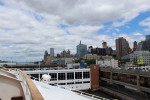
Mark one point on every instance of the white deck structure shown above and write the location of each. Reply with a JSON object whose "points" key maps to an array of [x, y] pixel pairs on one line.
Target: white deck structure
{"points": [[16, 85], [77, 79], [57, 93]]}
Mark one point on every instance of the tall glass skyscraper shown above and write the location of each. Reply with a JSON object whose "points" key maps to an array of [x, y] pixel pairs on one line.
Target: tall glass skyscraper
{"points": [[52, 52], [81, 50]]}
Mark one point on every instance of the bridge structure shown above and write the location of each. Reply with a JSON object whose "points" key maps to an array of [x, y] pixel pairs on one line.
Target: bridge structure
{"points": [[136, 79]]}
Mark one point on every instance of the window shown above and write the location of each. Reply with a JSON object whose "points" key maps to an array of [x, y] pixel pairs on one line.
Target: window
{"points": [[61, 83], [61, 76], [78, 82], [86, 82], [86, 75], [78, 75], [70, 76], [53, 76], [70, 83]]}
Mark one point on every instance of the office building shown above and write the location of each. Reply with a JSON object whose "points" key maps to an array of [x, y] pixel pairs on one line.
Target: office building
{"points": [[134, 46], [52, 52], [122, 47], [147, 37], [81, 49], [101, 51], [65, 54], [139, 46], [47, 58], [45, 55], [104, 44]]}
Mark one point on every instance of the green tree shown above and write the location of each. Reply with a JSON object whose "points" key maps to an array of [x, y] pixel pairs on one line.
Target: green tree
{"points": [[88, 61]]}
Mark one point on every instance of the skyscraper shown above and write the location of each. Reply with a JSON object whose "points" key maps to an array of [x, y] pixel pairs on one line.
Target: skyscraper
{"points": [[52, 52], [45, 55], [134, 46], [147, 37], [65, 53], [81, 50], [122, 47], [139, 46]]}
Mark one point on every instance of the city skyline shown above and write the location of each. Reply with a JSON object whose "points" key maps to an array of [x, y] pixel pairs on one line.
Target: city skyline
{"points": [[27, 29]]}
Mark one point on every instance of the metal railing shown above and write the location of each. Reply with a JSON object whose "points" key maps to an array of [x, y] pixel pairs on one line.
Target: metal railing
{"points": [[87, 95], [24, 85]]}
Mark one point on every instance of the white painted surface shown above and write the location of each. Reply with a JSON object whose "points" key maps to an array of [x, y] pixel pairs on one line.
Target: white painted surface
{"points": [[108, 63], [55, 93], [81, 86]]}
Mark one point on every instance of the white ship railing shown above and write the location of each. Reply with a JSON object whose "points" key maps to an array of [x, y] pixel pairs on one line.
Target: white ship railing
{"points": [[24, 85], [53, 68], [91, 96]]}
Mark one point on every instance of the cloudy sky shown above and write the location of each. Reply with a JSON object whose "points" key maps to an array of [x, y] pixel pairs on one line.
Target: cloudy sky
{"points": [[29, 27]]}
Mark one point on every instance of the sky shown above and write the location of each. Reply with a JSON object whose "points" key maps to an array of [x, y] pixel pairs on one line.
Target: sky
{"points": [[29, 27]]}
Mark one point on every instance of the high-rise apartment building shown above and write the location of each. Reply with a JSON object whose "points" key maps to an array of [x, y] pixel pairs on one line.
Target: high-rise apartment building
{"points": [[81, 50], [52, 52], [122, 47], [47, 58]]}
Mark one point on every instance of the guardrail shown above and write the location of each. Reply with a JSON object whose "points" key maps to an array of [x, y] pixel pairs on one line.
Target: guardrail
{"points": [[91, 96], [25, 86], [30, 89], [133, 72]]}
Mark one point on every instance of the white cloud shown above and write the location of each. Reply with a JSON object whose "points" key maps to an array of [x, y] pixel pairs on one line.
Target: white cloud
{"points": [[146, 23], [93, 11], [137, 34], [27, 29]]}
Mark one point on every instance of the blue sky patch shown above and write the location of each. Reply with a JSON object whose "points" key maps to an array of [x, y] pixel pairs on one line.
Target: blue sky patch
{"points": [[1, 3], [38, 17]]}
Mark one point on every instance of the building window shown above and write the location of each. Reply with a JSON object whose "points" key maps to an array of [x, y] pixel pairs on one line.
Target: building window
{"points": [[78, 75], [86, 75], [61, 76], [70, 76], [78, 82], [86, 82], [70, 83], [53, 76], [61, 83]]}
